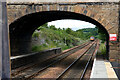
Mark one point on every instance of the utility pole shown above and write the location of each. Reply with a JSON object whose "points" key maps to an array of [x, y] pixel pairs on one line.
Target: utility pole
{"points": [[4, 43]]}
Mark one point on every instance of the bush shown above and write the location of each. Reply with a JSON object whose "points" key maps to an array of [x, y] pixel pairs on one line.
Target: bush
{"points": [[102, 49], [35, 34], [36, 48], [54, 37]]}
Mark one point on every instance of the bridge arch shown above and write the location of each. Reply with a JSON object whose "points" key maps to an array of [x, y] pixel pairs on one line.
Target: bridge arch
{"points": [[21, 30]]}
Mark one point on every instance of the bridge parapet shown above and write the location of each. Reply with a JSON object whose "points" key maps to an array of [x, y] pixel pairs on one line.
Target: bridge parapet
{"points": [[105, 13]]}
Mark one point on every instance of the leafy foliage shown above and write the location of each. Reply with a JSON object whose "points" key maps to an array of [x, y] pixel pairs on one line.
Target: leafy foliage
{"points": [[35, 34], [88, 32], [102, 50], [64, 38], [102, 35]]}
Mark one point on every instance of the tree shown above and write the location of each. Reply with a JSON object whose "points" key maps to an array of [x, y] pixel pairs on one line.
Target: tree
{"points": [[68, 30], [53, 27], [59, 29], [63, 29], [43, 26], [102, 34]]}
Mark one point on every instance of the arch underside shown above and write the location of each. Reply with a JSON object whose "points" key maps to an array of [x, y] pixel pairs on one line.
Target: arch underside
{"points": [[27, 24]]}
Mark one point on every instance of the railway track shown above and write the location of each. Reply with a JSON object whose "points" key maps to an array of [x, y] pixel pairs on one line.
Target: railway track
{"points": [[69, 68], [77, 69], [32, 70]]}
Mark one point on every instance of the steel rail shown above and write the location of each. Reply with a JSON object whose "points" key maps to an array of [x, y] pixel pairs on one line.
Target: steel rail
{"points": [[35, 74], [87, 66], [95, 51], [59, 77]]}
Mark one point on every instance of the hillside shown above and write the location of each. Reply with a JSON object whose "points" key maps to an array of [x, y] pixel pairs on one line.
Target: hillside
{"points": [[88, 32], [46, 37]]}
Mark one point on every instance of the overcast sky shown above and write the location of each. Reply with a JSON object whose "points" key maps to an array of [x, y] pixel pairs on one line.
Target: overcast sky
{"points": [[73, 24]]}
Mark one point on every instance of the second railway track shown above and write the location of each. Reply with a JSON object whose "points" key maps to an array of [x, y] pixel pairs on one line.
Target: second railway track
{"points": [[77, 69]]}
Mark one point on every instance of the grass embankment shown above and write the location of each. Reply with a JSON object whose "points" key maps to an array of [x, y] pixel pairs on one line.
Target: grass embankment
{"points": [[55, 38], [51, 37], [102, 50]]}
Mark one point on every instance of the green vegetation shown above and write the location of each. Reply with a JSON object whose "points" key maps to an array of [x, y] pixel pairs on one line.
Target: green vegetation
{"points": [[101, 35], [103, 48], [53, 37], [88, 32], [102, 51], [36, 34]]}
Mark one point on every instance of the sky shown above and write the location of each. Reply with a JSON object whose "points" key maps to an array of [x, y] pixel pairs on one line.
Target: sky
{"points": [[73, 24]]}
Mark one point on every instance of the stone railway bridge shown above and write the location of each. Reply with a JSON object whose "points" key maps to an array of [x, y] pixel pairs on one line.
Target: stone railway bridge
{"points": [[24, 17]]}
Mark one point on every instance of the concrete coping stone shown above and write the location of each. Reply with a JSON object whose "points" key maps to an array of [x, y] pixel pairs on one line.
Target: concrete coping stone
{"points": [[57, 1], [20, 56]]}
